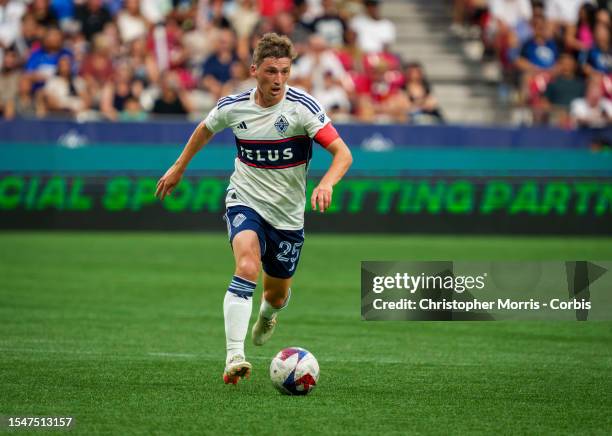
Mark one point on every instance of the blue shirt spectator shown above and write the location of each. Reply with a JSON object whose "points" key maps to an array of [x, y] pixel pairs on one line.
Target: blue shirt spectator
{"points": [[215, 67], [216, 70], [599, 58], [64, 9], [113, 6], [42, 63], [542, 54]]}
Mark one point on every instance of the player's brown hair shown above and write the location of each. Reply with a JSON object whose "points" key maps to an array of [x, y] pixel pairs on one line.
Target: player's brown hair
{"points": [[273, 45]]}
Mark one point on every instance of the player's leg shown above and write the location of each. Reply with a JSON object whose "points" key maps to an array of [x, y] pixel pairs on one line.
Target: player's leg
{"points": [[243, 229], [275, 297], [279, 263]]}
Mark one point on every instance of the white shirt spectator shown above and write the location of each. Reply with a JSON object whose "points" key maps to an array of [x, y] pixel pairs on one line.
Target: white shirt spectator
{"points": [[59, 88], [155, 10], [511, 12], [333, 98], [131, 27], [10, 21], [373, 35], [592, 116], [314, 67], [244, 18], [564, 11]]}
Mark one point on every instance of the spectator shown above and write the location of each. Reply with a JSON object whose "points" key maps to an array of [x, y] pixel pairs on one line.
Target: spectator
{"points": [[9, 84], [42, 63], [29, 105], [197, 49], [244, 20], [540, 53], [379, 99], [270, 9], [133, 111], [240, 79], [513, 15], [351, 54], [301, 18], [64, 93], [166, 43], [310, 70], [63, 9], [579, 36], [537, 62], [593, 110], [217, 16], [114, 6], [118, 91], [173, 100], [330, 25], [508, 27], [131, 23], [11, 12], [142, 63], [43, 14], [602, 16], [154, 11], [286, 24], [374, 33], [92, 16], [333, 97], [31, 36], [563, 13], [564, 89], [216, 69], [598, 60], [416, 99], [97, 66]]}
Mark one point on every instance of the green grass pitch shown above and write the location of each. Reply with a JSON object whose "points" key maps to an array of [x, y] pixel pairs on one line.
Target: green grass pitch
{"points": [[124, 332]]}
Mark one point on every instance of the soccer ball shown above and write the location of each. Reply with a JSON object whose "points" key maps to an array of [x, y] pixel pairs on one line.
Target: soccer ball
{"points": [[294, 371]]}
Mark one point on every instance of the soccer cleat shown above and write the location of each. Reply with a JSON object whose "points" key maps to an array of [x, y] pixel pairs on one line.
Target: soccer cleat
{"points": [[263, 330], [236, 369]]}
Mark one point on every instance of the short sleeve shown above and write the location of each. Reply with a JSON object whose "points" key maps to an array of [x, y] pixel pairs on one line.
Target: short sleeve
{"points": [[313, 116], [216, 120]]}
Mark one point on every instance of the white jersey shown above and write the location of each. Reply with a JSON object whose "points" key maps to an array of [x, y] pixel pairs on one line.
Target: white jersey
{"points": [[274, 147]]}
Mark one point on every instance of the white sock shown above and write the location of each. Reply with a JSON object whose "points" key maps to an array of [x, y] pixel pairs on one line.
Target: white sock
{"points": [[237, 312], [268, 311]]}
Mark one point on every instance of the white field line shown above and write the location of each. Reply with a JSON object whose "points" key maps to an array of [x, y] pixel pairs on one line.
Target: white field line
{"points": [[198, 356]]}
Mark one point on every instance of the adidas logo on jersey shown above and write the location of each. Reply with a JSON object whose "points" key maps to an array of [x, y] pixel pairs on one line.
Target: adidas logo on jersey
{"points": [[242, 126]]}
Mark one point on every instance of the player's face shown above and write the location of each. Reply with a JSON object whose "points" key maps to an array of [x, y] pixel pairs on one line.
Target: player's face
{"points": [[272, 75]]}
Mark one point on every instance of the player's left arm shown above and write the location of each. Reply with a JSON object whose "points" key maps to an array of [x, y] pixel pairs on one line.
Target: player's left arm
{"points": [[342, 160]]}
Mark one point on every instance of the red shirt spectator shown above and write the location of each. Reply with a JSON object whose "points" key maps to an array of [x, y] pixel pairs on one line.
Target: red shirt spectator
{"points": [[270, 8]]}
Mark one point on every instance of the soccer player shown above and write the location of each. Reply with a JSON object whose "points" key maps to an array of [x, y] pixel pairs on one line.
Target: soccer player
{"points": [[274, 125]]}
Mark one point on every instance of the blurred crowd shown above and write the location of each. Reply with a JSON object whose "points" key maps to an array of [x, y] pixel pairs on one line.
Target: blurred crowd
{"points": [[134, 60], [555, 55]]}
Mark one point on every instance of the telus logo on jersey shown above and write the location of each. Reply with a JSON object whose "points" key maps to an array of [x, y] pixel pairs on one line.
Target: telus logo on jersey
{"points": [[275, 154], [266, 155]]}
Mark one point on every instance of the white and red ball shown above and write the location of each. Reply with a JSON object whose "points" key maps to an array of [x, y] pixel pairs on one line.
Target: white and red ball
{"points": [[294, 371]]}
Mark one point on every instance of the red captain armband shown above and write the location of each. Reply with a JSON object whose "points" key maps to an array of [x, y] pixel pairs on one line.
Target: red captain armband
{"points": [[326, 135]]}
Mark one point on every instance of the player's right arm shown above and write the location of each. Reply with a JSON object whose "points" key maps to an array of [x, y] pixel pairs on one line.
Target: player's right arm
{"points": [[199, 138]]}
